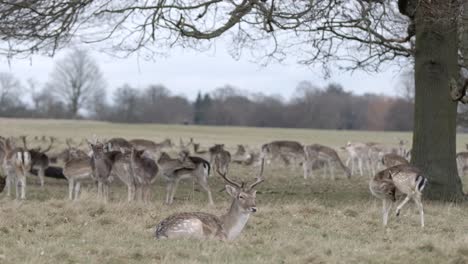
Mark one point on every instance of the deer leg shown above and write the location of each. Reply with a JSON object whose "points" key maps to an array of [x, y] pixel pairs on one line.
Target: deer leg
{"points": [[204, 184], [386, 209], [9, 182], [41, 176], [99, 189], [77, 190], [22, 181], [401, 205], [418, 202], [332, 170], [174, 188], [168, 190], [70, 188], [360, 166], [305, 168]]}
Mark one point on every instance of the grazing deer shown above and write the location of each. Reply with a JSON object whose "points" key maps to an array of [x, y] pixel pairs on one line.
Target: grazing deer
{"points": [[185, 167], [116, 144], [406, 179], [39, 159], [76, 170], [316, 152], [392, 159], [144, 144], [285, 150], [101, 164], [462, 163], [16, 165], [206, 226]]}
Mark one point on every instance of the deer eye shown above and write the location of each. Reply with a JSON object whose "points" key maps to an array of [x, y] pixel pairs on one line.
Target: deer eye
{"points": [[241, 196]]}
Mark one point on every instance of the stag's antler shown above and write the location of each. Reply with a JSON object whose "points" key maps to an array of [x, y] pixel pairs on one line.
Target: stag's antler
{"points": [[233, 183], [260, 178]]}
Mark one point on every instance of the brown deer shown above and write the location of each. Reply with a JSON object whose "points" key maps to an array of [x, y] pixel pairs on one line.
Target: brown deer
{"points": [[316, 153], [286, 150], [101, 164], [406, 179], [116, 144], [205, 226], [220, 158]]}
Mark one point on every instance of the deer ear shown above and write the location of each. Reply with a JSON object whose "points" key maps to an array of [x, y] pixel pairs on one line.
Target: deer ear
{"points": [[231, 190]]}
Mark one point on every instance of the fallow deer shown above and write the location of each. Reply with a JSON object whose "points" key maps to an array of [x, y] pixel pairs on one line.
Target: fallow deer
{"points": [[392, 159], [76, 170], [220, 158], [151, 146], [360, 153], [315, 153], [39, 159], [101, 164], [241, 156], [185, 167], [286, 150], [16, 166], [205, 226], [117, 144], [406, 179]]}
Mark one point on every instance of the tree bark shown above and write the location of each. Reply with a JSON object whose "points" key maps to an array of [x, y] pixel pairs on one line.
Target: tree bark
{"points": [[434, 137]]}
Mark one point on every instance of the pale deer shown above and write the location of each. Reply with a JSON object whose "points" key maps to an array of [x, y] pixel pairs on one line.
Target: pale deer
{"points": [[151, 146], [315, 153], [392, 159], [206, 226], [76, 169], [185, 167], [16, 166], [360, 153], [406, 179], [286, 150]]}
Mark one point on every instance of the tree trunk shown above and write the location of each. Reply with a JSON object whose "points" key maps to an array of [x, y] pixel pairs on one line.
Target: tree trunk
{"points": [[434, 137]]}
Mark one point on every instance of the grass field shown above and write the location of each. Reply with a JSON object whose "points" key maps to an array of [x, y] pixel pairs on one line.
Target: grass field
{"points": [[299, 221]]}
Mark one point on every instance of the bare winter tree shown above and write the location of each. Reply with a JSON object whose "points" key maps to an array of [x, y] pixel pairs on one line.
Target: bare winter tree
{"points": [[76, 79], [10, 88], [355, 34]]}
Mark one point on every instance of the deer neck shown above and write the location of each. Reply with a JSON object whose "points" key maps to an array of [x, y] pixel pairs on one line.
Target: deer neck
{"points": [[234, 221]]}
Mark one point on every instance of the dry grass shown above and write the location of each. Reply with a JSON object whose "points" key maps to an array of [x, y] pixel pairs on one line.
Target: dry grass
{"points": [[313, 221]]}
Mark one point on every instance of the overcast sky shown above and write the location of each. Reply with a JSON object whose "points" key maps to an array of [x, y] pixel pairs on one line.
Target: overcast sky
{"points": [[187, 72]]}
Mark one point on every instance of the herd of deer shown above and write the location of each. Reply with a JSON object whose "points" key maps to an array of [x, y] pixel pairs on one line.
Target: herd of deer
{"points": [[137, 163]]}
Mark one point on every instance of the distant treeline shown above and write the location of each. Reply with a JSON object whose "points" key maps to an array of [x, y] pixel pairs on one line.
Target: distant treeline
{"points": [[328, 107]]}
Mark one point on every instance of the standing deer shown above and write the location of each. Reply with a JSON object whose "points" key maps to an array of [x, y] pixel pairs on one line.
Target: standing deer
{"points": [[360, 153], [206, 226], [315, 153], [185, 167], [77, 169], [101, 164], [16, 165], [406, 179], [116, 144], [39, 159], [220, 158]]}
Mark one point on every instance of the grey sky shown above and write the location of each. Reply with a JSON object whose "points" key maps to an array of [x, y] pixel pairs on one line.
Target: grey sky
{"points": [[187, 72]]}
